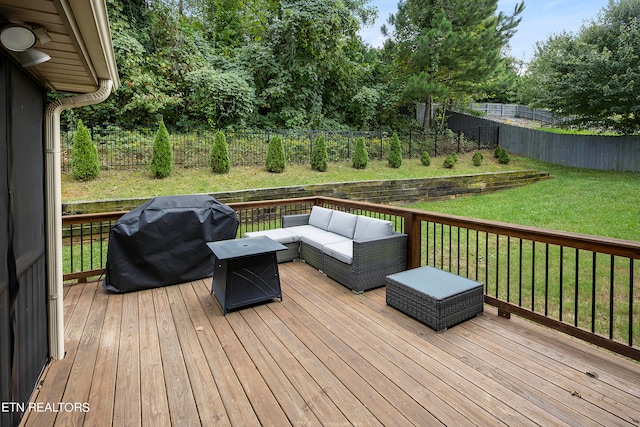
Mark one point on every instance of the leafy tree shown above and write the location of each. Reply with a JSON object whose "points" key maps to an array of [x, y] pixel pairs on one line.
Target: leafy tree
{"points": [[360, 157], [85, 162], [592, 75], [162, 155], [307, 58], [448, 47], [319, 157], [275, 155], [221, 98], [219, 160], [395, 152]]}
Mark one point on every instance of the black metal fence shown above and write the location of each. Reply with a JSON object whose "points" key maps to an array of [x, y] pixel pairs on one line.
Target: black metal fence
{"points": [[123, 148]]}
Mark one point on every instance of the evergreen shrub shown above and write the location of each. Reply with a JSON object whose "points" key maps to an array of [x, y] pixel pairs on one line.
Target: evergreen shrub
{"points": [[85, 163], [395, 152], [477, 158], [425, 159], [502, 155], [319, 156], [275, 155], [449, 161], [219, 160], [162, 154], [360, 157]]}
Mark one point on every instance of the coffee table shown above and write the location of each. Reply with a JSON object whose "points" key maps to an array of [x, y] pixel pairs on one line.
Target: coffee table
{"points": [[245, 272], [435, 297]]}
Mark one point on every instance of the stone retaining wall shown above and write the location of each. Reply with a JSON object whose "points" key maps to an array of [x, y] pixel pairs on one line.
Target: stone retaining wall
{"points": [[397, 191]]}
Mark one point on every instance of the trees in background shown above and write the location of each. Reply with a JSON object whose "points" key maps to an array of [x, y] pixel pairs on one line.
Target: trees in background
{"points": [[593, 75], [448, 49], [295, 63]]}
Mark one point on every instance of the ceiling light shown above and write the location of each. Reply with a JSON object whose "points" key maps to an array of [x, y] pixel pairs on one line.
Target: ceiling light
{"points": [[33, 57], [17, 38]]}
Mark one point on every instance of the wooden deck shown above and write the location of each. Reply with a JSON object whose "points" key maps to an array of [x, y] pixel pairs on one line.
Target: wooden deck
{"points": [[322, 356]]}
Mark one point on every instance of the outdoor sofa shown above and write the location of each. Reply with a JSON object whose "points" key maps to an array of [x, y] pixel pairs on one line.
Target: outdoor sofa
{"points": [[355, 250]]}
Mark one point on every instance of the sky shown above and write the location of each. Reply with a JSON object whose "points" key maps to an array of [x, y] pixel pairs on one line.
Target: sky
{"points": [[540, 19]]}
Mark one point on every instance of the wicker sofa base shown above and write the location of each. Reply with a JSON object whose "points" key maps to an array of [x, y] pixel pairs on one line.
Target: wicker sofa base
{"points": [[413, 298]]}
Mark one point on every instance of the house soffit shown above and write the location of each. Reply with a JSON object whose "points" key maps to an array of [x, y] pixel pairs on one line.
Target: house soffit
{"points": [[80, 48]]}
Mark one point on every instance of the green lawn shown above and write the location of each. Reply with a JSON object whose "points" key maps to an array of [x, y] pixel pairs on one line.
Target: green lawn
{"points": [[583, 201], [577, 200]]}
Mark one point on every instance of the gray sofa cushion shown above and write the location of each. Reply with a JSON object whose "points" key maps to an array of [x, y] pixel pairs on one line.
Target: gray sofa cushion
{"points": [[342, 251], [343, 223], [320, 240], [371, 228], [320, 217], [280, 235]]}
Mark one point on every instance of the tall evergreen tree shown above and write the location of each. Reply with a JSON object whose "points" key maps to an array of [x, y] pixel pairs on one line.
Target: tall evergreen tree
{"points": [[85, 163], [162, 155], [448, 47], [219, 159], [319, 156]]}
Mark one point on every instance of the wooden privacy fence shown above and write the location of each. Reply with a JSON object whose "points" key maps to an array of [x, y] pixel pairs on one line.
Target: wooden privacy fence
{"points": [[585, 286], [615, 153]]}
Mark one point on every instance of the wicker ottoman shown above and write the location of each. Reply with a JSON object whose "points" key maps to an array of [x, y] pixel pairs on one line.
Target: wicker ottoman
{"points": [[435, 297]]}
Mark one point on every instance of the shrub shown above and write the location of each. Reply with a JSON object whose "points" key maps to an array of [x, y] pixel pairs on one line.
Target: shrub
{"points": [[219, 161], [162, 154], [425, 159], [499, 150], [85, 163], [319, 156], [360, 157], [395, 152], [275, 155], [449, 161], [504, 158], [477, 158]]}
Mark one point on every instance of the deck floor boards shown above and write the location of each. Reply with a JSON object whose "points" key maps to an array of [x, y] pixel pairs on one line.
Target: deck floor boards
{"points": [[322, 356]]}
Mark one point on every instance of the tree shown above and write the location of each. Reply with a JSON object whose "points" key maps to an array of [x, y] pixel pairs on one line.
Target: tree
{"points": [[221, 98], [319, 157], [219, 160], [395, 152], [593, 75], [162, 155], [360, 157], [275, 155], [85, 162], [448, 47]]}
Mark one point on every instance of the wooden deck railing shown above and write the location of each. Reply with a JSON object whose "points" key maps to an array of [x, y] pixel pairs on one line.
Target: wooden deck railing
{"points": [[585, 286]]}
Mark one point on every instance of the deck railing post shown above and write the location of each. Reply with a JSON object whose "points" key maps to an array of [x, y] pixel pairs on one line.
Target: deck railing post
{"points": [[412, 229]]}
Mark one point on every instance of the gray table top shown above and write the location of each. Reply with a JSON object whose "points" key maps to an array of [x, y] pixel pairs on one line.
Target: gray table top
{"points": [[432, 281], [240, 248]]}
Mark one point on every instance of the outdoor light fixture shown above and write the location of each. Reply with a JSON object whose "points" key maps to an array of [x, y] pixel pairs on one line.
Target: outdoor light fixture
{"points": [[32, 57], [21, 38], [17, 38]]}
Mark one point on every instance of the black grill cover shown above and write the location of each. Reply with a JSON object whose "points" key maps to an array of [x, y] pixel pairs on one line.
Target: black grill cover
{"points": [[163, 242]]}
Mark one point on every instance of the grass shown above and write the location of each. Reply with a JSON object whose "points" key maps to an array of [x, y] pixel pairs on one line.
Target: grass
{"points": [[600, 203], [564, 131], [119, 184], [592, 202]]}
